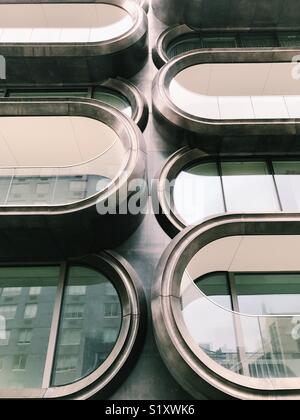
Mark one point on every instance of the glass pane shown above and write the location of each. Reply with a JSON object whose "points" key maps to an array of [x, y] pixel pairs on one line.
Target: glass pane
{"points": [[47, 93], [211, 326], [258, 41], [114, 99], [287, 176], [84, 342], [220, 41], [249, 187], [197, 193], [268, 294], [183, 45], [289, 39], [25, 324], [215, 286]]}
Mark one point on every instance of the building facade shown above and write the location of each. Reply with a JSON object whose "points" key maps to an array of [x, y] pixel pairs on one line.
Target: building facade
{"points": [[196, 294]]}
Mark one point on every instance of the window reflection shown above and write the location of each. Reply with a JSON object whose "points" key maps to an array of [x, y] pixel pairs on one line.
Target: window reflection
{"points": [[26, 370], [89, 326], [252, 326], [249, 187], [211, 188], [193, 41], [198, 193], [82, 339], [287, 175]]}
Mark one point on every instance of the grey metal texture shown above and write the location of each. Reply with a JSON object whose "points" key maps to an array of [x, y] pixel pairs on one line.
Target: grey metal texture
{"points": [[221, 136], [84, 62], [136, 99], [159, 52], [73, 229], [228, 13]]}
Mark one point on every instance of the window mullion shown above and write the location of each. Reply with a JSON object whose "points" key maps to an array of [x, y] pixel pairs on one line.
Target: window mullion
{"points": [[238, 325], [55, 327], [219, 165], [272, 172]]}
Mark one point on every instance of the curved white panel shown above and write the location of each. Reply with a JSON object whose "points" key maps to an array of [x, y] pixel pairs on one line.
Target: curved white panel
{"points": [[62, 23], [237, 91]]}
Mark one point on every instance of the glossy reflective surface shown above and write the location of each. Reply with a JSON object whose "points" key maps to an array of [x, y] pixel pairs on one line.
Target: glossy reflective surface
{"points": [[26, 310], [106, 95], [193, 41], [207, 189], [197, 193], [74, 158], [90, 325], [251, 316], [88, 329], [238, 91], [62, 23]]}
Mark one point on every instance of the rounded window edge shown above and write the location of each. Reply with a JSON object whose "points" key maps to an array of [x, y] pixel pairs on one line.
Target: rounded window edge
{"points": [[183, 32], [105, 213], [179, 127], [170, 219], [122, 87], [95, 61], [125, 128], [102, 381], [193, 370]]}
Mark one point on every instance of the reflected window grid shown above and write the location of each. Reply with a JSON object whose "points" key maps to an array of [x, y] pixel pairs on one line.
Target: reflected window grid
{"points": [[253, 344], [213, 188], [85, 339]]}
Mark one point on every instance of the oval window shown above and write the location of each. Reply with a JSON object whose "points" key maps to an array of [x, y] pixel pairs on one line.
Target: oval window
{"points": [[62, 23], [191, 190], [89, 325], [226, 305], [182, 39], [74, 158], [65, 328], [212, 106]]}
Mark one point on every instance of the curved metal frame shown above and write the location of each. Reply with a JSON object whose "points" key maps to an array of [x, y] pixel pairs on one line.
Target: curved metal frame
{"points": [[76, 228], [221, 135], [160, 56], [168, 218], [201, 13], [125, 129], [190, 366], [95, 61], [131, 337], [137, 100]]}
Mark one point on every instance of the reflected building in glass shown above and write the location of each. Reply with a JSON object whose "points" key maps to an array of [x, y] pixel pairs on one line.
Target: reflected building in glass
{"points": [[198, 100]]}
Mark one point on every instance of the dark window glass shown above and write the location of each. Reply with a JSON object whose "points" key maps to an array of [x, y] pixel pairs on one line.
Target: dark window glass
{"points": [[219, 41], [258, 40], [289, 39], [81, 349], [24, 327]]}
